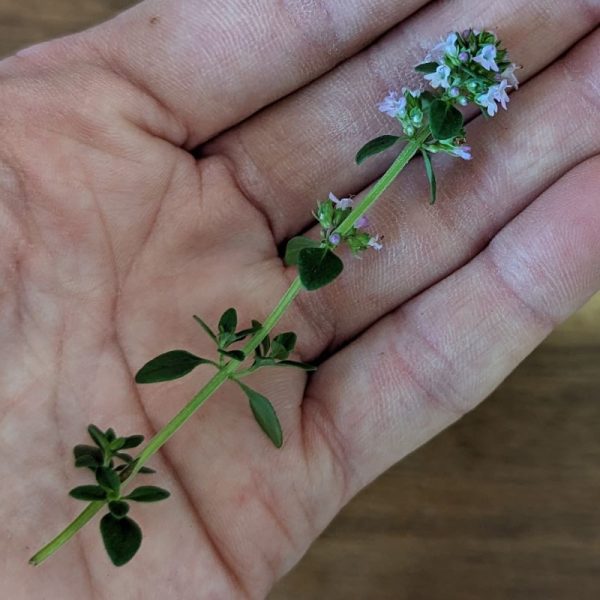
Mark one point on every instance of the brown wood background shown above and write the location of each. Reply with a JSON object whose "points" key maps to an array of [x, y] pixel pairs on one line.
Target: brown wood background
{"points": [[503, 505]]}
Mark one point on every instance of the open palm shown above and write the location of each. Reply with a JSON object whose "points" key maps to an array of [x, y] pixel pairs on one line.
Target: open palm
{"points": [[112, 234]]}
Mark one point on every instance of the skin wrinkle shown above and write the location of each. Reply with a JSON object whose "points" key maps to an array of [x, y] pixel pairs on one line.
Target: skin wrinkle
{"points": [[292, 8], [268, 503], [309, 516], [176, 132], [435, 399], [203, 527], [323, 425], [151, 228], [261, 212], [321, 332], [62, 451], [537, 316]]}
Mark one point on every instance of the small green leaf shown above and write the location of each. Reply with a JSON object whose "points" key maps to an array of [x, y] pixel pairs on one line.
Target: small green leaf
{"points": [[206, 328], [265, 415], [89, 493], [110, 434], [118, 508], [375, 146], [287, 340], [240, 335], [132, 441], [295, 245], [132, 464], [108, 479], [85, 454], [124, 456], [146, 470], [117, 444], [265, 345], [99, 438], [445, 121], [148, 493], [296, 364], [430, 176], [282, 345], [428, 67], [168, 366], [426, 98], [264, 361], [86, 461], [317, 267], [228, 321], [122, 538], [235, 354]]}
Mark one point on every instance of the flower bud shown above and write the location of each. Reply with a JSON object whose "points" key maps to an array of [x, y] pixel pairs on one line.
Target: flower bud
{"points": [[361, 222], [335, 239]]}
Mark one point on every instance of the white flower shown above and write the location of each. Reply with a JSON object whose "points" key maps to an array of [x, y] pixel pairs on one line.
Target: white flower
{"points": [[486, 57], [500, 94], [393, 105], [413, 93], [340, 203], [496, 93], [509, 75], [488, 102], [446, 47], [439, 77], [375, 243], [463, 152]]}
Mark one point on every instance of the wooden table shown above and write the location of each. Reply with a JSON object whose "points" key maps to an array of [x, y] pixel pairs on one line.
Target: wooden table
{"points": [[503, 505]]}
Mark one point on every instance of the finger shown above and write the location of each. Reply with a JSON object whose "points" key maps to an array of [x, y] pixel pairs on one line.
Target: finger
{"points": [[295, 152], [213, 63], [422, 367], [551, 127]]}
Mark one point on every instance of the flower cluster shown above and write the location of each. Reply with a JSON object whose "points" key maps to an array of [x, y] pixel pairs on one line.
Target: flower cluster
{"points": [[330, 215], [408, 107], [468, 67], [471, 67]]}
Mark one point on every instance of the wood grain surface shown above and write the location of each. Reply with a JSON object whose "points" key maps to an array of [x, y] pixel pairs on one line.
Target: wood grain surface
{"points": [[503, 505]]}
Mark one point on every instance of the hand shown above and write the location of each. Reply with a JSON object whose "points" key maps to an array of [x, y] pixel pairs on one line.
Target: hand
{"points": [[113, 234]]}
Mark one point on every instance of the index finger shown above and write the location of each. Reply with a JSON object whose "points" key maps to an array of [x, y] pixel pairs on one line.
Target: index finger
{"points": [[211, 64]]}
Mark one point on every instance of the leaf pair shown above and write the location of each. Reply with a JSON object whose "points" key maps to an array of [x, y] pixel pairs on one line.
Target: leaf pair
{"points": [[177, 363], [275, 353], [121, 535], [228, 334], [106, 448]]}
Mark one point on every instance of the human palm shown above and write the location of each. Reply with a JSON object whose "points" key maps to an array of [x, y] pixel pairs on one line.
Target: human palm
{"points": [[113, 234]]}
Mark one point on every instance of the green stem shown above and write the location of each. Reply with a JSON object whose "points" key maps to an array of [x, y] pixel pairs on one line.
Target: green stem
{"points": [[215, 382], [411, 148], [226, 371], [64, 536], [161, 437]]}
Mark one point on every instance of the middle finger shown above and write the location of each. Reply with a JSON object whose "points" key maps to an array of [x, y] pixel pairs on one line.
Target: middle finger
{"points": [[296, 151], [552, 127]]}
